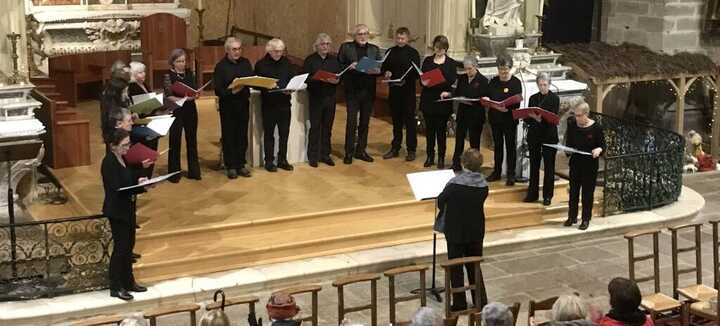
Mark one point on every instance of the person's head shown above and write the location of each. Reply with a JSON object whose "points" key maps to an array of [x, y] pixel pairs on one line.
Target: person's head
{"points": [[137, 72], [122, 119], [135, 320], [440, 45], [322, 44], [470, 65], [275, 48], [624, 295], [119, 141], [543, 81], [402, 36], [361, 34], [426, 316], [568, 307], [472, 160], [119, 70], [116, 91], [233, 48], [178, 60], [497, 314], [581, 111], [504, 64], [281, 306]]}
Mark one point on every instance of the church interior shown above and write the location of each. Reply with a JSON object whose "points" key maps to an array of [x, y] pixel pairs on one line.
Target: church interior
{"points": [[311, 240]]}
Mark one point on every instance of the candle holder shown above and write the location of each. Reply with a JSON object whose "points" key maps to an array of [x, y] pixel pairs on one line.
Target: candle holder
{"points": [[200, 25], [15, 78], [540, 48]]}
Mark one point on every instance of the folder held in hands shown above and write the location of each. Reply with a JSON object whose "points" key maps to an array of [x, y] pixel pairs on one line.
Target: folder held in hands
{"points": [[324, 76], [254, 81], [181, 89], [432, 78], [546, 115], [139, 153], [515, 99], [146, 103], [295, 84]]}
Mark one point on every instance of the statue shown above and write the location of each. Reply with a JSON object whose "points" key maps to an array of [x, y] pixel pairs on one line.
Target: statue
{"points": [[502, 17], [35, 46], [696, 157]]}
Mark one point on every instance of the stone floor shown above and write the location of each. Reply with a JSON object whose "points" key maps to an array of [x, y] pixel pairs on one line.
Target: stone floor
{"points": [[581, 267]]}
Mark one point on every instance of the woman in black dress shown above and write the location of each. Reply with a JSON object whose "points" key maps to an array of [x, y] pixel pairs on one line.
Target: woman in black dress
{"points": [[583, 134], [119, 208], [471, 115], [186, 117], [136, 87], [436, 113]]}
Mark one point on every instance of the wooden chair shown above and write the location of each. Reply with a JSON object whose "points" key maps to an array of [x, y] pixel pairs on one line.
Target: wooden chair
{"points": [[394, 300], [250, 301], [701, 310], [476, 318], [659, 305], [449, 290], [716, 255], [313, 289], [154, 313], [100, 320], [340, 285], [159, 35], [697, 291], [541, 305]]}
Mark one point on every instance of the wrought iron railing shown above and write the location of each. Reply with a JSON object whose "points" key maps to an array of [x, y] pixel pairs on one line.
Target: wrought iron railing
{"points": [[54, 257], [642, 165]]}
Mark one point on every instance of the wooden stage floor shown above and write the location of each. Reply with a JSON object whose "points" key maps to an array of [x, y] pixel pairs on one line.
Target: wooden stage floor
{"points": [[196, 227]]}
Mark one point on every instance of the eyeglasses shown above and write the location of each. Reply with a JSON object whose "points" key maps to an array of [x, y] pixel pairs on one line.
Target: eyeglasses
{"points": [[362, 33], [235, 49], [124, 145], [325, 43]]}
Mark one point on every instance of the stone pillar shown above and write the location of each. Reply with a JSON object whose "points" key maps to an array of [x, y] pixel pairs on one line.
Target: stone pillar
{"points": [[449, 18]]}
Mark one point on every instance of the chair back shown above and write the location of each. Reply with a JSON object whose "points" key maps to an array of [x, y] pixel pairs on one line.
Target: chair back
{"points": [[313, 290], [394, 299], [352, 279], [676, 251], [542, 305], [478, 287], [632, 259]]}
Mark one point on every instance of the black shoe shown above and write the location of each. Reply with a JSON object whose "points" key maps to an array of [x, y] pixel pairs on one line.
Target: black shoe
{"points": [[364, 156], [231, 173], [285, 166], [197, 177], [136, 256], [313, 163], [347, 159], [570, 222], [430, 161], [244, 172], [510, 181], [547, 201], [270, 167], [530, 199], [441, 163], [410, 156], [137, 288], [493, 177], [391, 154], [584, 225], [328, 161], [174, 179], [121, 294]]}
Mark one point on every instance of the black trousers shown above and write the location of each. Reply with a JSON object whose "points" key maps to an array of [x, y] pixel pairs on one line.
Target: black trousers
{"points": [[436, 131], [120, 270], [467, 126], [360, 103], [275, 117], [186, 118], [402, 109], [583, 178], [504, 136], [538, 153], [234, 130], [322, 116], [460, 250]]}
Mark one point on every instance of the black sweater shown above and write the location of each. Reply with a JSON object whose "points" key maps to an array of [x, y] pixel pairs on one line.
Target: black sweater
{"points": [[499, 91], [312, 64], [398, 62], [476, 88], [280, 70], [225, 72], [463, 207], [118, 205], [188, 78], [430, 95], [585, 139], [543, 132]]}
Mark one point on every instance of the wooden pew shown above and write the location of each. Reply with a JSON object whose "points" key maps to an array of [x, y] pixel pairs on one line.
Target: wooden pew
{"points": [[67, 140], [72, 71]]}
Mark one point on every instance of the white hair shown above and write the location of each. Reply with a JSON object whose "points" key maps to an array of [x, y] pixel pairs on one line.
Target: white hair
{"points": [[360, 27], [320, 38], [426, 316], [275, 44], [581, 108], [136, 67], [470, 60], [134, 320], [568, 307], [231, 40], [543, 76]]}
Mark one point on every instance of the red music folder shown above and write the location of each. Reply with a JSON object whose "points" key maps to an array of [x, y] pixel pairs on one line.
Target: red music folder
{"points": [[138, 153], [432, 77], [181, 89], [324, 76], [515, 99], [546, 115]]}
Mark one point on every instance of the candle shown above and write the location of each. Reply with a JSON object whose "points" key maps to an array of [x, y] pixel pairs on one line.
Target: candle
{"points": [[542, 7], [200, 4], [473, 10]]}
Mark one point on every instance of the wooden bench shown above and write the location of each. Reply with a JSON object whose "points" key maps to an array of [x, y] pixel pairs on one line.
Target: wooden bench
{"points": [[73, 70], [358, 278], [67, 140]]}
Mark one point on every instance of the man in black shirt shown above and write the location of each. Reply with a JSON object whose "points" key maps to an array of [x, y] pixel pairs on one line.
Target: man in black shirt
{"points": [[322, 101], [359, 92], [402, 94], [234, 107]]}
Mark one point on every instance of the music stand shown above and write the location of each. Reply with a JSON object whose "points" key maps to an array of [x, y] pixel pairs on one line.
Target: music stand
{"points": [[10, 152]]}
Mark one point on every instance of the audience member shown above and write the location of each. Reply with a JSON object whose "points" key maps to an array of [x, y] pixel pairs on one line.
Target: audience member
{"points": [[497, 314], [426, 316], [570, 310], [624, 302]]}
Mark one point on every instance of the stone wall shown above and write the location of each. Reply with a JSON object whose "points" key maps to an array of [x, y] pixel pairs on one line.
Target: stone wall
{"points": [[662, 25]]}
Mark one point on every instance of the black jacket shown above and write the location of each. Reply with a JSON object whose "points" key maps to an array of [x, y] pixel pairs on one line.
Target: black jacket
{"points": [[135, 89], [280, 70], [398, 62], [430, 95], [543, 132], [188, 78], [225, 72], [312, 64], [498, 91], [118, 205], [353, 80], [584, 139], [475, 89], [463, 207]]}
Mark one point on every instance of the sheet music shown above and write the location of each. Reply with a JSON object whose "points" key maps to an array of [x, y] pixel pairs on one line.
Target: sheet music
{"points": [[566, 149], [161, 126], [295, 84], [203, 86], [181, 101], [419, 71], [150, 181], [429, 184], [399, 79], [459, 99], [387, 53], [343, 71]]}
